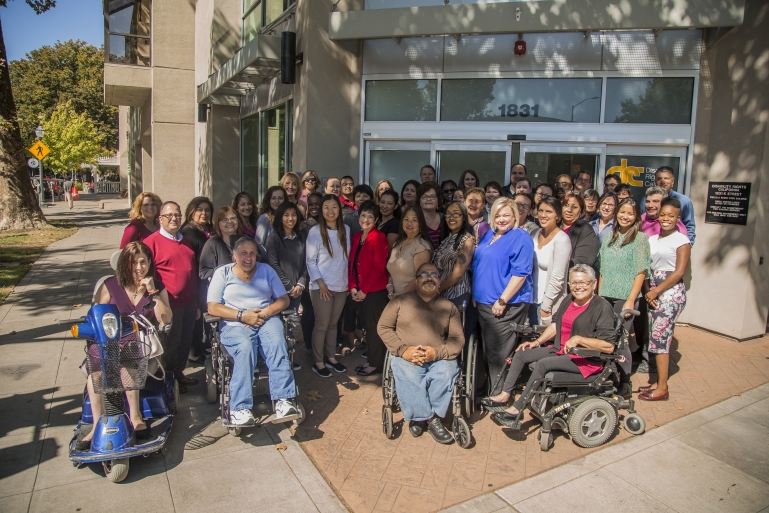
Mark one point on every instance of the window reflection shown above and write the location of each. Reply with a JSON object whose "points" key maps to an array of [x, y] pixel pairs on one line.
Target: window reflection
{"points": [[664, 100], [401, 100], [129, 31]]}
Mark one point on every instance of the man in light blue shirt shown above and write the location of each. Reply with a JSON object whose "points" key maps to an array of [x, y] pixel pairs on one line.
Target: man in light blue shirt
{"points": [[664, 177]]}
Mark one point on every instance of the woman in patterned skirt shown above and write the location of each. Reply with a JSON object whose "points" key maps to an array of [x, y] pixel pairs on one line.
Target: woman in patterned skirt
{"points": [[666, 294]]}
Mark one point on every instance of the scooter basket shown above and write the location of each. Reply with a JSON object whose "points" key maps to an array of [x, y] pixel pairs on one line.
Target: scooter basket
{"points": [[119, 365]]}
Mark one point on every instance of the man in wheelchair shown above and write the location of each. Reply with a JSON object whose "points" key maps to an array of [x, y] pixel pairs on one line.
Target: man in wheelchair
{"points": [[248, 297], [584, 320], [424, 335]]}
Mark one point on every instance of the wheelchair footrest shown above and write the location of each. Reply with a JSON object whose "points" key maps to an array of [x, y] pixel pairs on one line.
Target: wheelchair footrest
{"points": [[288, 418], [226, 423], [493, 409]]}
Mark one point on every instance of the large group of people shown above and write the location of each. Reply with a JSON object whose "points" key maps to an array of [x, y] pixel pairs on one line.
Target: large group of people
{"points": [[418, 271]]}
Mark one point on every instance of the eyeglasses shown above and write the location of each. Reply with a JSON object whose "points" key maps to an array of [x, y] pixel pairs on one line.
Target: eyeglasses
{"points": [[348, 184], [453, 216], [522, 206], [429, 197], [169, 216], [474, 202], [564, 184], [228, 220], [433, 275], [580, 284], [449, 191], [540, 194], [309, 179]]}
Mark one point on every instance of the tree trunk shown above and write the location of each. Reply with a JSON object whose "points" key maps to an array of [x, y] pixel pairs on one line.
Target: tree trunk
{"points": [[19, 207]]}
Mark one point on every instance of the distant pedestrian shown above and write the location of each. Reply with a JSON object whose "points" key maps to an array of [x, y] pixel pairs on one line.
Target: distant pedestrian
{"points": [[68, 184]]}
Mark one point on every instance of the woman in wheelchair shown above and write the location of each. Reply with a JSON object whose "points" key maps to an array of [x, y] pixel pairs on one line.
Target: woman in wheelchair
{"points": [[248, 296], [583, 320], [131, 290]]}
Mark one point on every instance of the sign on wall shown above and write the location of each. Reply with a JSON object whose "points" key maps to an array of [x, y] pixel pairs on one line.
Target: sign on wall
{"points": [[638, 171], [727, 203]]}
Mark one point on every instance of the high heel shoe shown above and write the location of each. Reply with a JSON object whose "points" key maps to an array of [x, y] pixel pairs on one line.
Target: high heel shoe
{"points": [[490, 403]]}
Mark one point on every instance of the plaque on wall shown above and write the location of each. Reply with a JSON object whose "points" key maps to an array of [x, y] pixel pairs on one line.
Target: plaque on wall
{"points": [[728, 203]]}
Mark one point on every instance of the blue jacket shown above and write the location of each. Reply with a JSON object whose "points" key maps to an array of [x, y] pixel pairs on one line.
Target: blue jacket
{"points": [[494, 266]]}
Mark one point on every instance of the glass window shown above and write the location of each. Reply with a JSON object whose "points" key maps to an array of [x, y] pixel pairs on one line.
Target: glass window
{"points": [[250, 147], [522, 99], [275, 8], [488, 165], [401, 100], [545, 167], [252, 22], [129, 32], [649, 100], [249, 4], [274, 146], [638, 171], [397, 166]]}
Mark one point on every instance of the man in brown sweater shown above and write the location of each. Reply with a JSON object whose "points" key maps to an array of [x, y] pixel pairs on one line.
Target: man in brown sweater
{"points": [[424, 335]]}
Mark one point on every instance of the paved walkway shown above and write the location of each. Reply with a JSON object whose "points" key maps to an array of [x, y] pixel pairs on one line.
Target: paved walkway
{"points": [[40, 397], [355, 466], [714, 460]]}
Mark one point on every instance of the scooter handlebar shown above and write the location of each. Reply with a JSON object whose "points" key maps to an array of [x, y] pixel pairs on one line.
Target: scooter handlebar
{"points": [[71, 322]]}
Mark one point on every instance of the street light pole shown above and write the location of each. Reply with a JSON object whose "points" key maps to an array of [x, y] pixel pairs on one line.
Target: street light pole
{"points": [[577, 104], [39, 133]]}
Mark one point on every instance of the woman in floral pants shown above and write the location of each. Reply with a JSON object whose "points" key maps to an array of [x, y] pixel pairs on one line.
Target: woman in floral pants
{"points": [[666, 294]]}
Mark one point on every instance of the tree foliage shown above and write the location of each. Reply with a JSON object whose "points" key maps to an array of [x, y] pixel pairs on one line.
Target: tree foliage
{"points": [[665, 100], [72, 138], [40, 6], [73, 72]]}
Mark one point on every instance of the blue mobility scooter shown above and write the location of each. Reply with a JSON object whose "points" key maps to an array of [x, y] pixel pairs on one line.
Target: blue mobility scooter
{"points": [[118, 357]]}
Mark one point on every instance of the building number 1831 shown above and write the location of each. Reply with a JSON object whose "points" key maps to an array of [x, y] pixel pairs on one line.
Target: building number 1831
{"points": [[523, 110]]}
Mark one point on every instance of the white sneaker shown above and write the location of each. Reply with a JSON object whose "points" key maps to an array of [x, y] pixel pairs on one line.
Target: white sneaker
{"points": [[285, 408], [241, 417]]}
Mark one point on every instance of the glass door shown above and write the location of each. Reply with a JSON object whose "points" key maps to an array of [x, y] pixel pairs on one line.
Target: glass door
{"points": [[491, 161], [544, 162], [395, 161]]}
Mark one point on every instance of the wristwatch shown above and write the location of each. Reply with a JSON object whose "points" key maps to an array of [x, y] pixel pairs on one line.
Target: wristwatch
{"points": [[501, 302], [240, 315]]}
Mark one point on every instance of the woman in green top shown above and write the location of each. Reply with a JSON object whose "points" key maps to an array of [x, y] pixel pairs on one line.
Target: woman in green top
{"points": [[624, 265]]}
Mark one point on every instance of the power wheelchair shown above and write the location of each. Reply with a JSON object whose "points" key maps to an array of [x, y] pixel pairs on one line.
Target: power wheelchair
{"points": [[462, 398], [584, 408], [219, 365]]}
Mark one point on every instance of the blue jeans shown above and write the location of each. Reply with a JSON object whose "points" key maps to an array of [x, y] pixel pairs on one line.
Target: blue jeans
{"points": [[424, 391], [243, 343]]}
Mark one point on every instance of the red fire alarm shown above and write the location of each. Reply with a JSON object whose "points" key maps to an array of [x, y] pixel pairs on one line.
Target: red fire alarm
{"points": [[520, 47]]}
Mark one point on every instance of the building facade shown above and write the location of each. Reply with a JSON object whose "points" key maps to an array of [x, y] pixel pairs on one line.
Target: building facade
{"points": [[385, 86]]}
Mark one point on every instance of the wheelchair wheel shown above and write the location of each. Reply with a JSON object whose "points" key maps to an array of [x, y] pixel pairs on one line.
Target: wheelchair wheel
{"points": [[470, 376], [234, 431], [461, 431], [387, 422], [116, 470], [592, 423], [387, 377], [545, 441], [302, 414], [211, 392], [634, 424]]}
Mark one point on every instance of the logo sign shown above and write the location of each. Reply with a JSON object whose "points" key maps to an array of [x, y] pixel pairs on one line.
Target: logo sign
{"points": [[39, 150], [638, 171], [33, 163]]}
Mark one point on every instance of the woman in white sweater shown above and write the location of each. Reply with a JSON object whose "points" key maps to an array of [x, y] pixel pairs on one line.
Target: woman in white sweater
{"points": [[552, 249], [327, 250]]}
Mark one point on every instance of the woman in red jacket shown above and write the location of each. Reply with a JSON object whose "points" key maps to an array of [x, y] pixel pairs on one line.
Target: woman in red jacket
{"points": [[368, 282]]}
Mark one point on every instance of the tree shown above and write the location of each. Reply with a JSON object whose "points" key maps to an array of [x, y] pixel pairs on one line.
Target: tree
{"points": [[65, 72], [18, 203], [72, 138]]}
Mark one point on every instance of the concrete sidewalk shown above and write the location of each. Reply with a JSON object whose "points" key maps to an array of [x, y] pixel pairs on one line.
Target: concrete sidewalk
{"points": [[716, 459], [41, 388]]}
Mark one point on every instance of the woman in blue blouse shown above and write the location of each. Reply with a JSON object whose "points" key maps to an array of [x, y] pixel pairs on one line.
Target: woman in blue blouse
{"points": [[502, 284]]}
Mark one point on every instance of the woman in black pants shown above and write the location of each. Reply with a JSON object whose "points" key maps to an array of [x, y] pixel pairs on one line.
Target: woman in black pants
{"points": [[583, 320], [502, 285]]}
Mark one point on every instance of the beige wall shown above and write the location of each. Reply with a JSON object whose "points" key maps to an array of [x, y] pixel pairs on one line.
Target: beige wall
{"points": [[123, 150], [326, 95], [729, 291]]}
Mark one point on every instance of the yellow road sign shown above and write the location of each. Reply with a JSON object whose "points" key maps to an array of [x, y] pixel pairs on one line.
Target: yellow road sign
{"points": [[39, 150]]}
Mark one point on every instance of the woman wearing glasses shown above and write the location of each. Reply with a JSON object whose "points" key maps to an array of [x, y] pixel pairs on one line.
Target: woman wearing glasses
{"points": [[502, 284], [310, 183], [604, 222], [583, 320], [541, 192], [144, 218], [429, 200]]}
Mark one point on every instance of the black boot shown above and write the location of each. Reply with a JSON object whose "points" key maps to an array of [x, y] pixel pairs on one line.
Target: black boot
{"points": [[438, 431]]}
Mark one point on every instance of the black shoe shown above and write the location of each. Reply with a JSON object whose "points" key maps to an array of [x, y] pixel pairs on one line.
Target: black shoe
{"points": [[360, 368], [323, 373], [338, 367], [508, 419], [83, 445], [416, 427], [184, 380], [489, 403], [142, 433], [365, 355], [296, 366], [438, 431], [625, 391], [365, 373]]}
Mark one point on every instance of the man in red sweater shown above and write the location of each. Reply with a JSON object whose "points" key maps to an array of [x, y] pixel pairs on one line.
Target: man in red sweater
{"points": [[177, 269]]}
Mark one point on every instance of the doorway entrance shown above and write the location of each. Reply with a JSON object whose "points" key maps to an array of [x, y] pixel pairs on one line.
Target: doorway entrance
{"points": [[545, 162]]}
